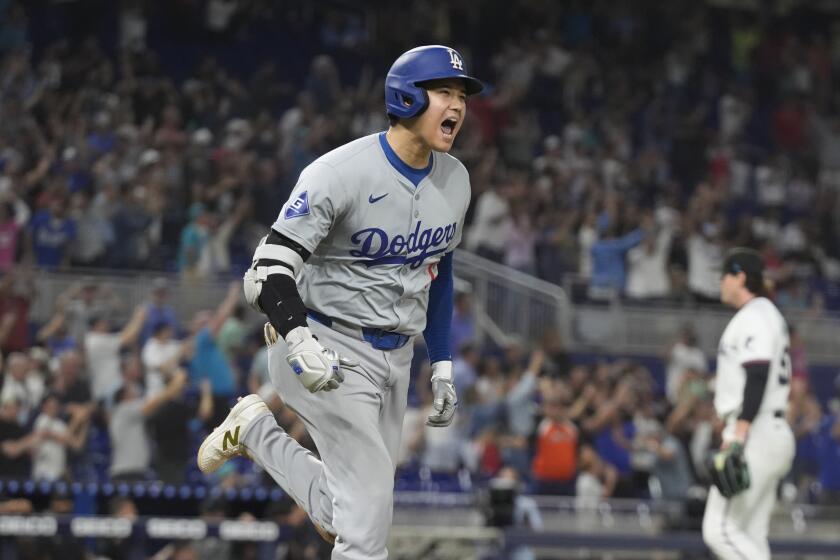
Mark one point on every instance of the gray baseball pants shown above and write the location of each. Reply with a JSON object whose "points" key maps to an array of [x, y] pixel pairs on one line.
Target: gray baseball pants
{"points": [[356, 428]]}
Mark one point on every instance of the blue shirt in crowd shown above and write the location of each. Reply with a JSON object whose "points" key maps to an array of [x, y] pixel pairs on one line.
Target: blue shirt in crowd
{"points": [[608, 266], [51, 238], [208, 362], [829, 455]]}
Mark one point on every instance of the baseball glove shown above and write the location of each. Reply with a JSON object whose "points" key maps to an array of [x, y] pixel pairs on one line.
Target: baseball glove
{"points": [[728, 470]]}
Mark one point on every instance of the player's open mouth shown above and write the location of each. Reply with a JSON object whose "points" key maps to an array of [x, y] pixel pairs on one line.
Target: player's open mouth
{"points": [[448, 127]]}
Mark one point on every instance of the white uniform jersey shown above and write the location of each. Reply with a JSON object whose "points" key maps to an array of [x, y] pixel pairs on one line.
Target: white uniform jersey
{"points": [[757, 333], [375, 239]]}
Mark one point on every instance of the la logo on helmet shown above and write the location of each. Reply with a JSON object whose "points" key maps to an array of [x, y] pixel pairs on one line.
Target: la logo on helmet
{"points": [[455, 60]]}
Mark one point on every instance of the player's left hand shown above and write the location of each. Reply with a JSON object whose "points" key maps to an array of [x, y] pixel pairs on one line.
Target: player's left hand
{"points": [[728, 470], [445, 398]]}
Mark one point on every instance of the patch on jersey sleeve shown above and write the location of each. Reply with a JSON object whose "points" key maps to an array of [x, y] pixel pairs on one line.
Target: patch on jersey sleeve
{"points": [[300, 207]]}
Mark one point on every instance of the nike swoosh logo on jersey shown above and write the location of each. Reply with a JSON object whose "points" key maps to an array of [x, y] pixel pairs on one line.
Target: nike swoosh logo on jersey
{"points": [[371, 198]]}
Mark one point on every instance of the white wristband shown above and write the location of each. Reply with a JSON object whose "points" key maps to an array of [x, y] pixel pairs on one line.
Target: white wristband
{"points": [[442, 370], [297, 335]]}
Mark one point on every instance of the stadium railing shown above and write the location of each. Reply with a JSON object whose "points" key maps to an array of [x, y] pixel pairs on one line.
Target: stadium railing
{"points": [[508, 304]]}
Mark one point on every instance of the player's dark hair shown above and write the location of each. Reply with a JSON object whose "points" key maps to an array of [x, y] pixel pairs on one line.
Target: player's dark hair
{"points": [[755, 284], [392, 120]]}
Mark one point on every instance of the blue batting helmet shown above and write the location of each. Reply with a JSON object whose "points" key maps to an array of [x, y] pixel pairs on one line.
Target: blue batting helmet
{"points": [[404, 96]]}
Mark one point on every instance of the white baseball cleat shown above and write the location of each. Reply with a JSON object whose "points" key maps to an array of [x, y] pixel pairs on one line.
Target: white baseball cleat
{"points": [[225, 442]]}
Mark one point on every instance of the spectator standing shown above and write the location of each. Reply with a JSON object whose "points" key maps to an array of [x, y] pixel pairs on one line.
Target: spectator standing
{"points": [[208, 361], [84, 301], [171, 425], [491, 222], [804, 416], [130, 444], [14, 216], [194, 237], [52, 234], [520, 395], [53, 438], [555, 464], [609, 263], [161, 355], [159, 310], [465, 367], [670, 468], [74, 394], [23, 385], [463, 320], [16, 293], [685, 355], [596, 481], [647, 276], [102, 351], [232, 334], [705, 256], [15, 444], [828, 446], [520, 245]]}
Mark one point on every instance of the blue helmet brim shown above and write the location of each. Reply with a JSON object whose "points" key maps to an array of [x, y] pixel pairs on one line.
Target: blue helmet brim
{"points": [[471, 85]]}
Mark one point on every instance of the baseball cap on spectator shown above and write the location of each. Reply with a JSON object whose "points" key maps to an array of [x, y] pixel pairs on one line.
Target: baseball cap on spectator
{"points": [[127, 132], [238, 132], [551, 142], [160, 284], [149, 157], [202, 137], [39, 354], [102, 119], [710, 229]]}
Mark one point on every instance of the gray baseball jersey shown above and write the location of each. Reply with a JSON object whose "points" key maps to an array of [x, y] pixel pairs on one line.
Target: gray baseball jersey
{"points": [[375, 238]]}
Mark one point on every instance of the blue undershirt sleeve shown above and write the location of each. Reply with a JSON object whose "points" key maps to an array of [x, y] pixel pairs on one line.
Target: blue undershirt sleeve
{"points": [[439, 313]]}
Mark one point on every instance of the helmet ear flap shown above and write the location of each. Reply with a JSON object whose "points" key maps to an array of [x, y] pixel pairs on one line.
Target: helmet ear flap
{"points": [[424, 96], [405, 103]]}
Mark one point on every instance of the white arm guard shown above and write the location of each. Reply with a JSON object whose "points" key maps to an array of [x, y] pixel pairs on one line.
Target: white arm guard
{"points": [[256, 275]]}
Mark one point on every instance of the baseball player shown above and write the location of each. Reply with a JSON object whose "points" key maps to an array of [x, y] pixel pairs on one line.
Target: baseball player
{"points": [[751, 395], [358, 263]]}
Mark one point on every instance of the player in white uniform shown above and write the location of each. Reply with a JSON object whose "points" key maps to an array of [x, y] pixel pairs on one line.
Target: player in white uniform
{"points": [[358, 263], [751, 395]]}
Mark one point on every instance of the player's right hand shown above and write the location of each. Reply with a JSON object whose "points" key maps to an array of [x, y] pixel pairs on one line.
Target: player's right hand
{"points": [[318, 368], [445, 399]]}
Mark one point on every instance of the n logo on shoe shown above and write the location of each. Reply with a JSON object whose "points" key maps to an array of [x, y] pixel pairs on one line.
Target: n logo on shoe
{"points": [[231, 439]]}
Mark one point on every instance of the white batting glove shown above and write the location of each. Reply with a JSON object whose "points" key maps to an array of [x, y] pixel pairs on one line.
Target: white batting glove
{"points": [[318, 368], [445, 398]]}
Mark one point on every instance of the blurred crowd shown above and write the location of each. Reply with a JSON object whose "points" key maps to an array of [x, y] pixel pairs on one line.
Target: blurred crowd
{"points": [[607, 428], [617, 152], [96, 399], [611, 182]]}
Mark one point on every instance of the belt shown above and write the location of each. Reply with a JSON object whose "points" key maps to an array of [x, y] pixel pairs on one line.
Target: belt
{"points": [[775, 413], [378, 338]]}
